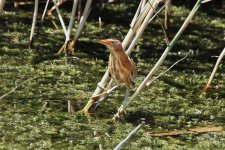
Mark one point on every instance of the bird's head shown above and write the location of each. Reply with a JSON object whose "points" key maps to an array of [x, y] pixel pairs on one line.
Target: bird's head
{"points": [[112, 44]]}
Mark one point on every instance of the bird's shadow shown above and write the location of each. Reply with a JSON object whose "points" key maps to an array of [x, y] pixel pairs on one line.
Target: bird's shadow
{"points": [[138, 116]]}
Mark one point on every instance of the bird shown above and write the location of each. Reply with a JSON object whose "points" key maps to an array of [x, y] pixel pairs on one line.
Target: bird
{"points": [[121, 67], [122, 70]]}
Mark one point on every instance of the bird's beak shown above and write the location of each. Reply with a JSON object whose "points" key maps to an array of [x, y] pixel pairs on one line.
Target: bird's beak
{"points": [[105, 42]]}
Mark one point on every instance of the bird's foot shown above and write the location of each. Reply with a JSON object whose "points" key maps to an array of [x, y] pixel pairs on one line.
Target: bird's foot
{"points": [[86, 109], [85, 112], [121, 111]]}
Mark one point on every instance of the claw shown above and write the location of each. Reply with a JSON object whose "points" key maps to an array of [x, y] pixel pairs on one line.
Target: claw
{"points": [[85, 112], [86, 109]]}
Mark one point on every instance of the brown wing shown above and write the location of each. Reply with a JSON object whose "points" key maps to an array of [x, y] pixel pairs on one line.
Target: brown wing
{"points": [[133, 72]]}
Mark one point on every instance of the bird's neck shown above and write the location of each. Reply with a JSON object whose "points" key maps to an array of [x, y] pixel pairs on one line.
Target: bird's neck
{"points": [[119, 57], [118, 53]]}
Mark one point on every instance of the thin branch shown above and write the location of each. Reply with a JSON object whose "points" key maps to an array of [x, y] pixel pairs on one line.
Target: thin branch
{"points": [[59, 3], [75, 3], [60, 18], [198, 130], [143, 5], [83, 19], [205, 1], [34, 22], [149, 82], [105, 93], [45, 10], [16, 87], [164, 31], [133, 132], [213, 72], [136, 14]]}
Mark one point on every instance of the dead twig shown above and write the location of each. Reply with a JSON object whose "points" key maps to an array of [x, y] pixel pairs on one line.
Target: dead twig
{"points": [[59, 3], [16, 87], [155, 78], [207, 86], [34, 22], [198, 130], [133, 132]]}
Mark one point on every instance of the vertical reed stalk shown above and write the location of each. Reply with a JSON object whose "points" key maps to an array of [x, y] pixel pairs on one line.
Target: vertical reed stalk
{"points": [[45, 10], [34, 22], [207, 86]]}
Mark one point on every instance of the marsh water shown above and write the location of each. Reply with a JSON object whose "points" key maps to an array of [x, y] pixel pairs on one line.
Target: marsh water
{"points": [[171, 103]]}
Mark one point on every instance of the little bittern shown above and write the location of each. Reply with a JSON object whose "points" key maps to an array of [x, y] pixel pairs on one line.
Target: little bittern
{"points": [[121, 68]]}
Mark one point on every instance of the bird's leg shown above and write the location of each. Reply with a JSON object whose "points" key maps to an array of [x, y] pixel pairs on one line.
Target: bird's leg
{"points": [[125, 102], [85, 110]]}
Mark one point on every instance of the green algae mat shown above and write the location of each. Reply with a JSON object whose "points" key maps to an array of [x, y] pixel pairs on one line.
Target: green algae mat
{"points": [[36, 85]]}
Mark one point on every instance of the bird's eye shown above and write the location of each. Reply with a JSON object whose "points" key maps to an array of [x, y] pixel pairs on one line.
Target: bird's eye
{"points": [[113, 42]]}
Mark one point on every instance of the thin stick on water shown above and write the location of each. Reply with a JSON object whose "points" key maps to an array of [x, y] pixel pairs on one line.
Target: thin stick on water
{"points": [[34, 22], [155, 78], [161, 60], [16, 87], [207, 86], [45, 10], [132, 133]]}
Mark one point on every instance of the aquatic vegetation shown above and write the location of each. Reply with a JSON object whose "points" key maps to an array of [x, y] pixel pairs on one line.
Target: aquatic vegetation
{"points": [[171, 103]]}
